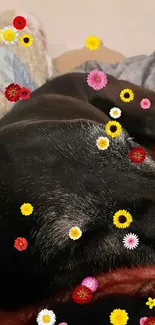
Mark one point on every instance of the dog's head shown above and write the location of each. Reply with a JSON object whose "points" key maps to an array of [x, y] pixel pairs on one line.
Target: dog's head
{"points": [[59, 169]]}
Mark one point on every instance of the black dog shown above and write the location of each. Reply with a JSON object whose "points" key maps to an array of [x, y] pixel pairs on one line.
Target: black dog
{"points": [[49, 158]]}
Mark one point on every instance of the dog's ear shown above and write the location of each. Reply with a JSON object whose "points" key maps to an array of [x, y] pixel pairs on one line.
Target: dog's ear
{"points": [[140, 123]]}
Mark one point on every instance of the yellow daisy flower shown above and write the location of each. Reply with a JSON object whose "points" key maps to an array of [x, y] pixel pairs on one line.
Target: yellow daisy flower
{"points": [[26, 209], [122, 219], [102, 143], [26, 40], [113, 129], [150, 303], [75, 233], [126, 95], [92, 43], [10, 35], [119, 317]]}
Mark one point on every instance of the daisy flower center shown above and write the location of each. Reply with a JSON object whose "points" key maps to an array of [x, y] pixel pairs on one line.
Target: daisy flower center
{"points": [[113, 128], [26, 40], [131, 240], [97, 79], [137, 155], [12, 92], [126, 95], [9, 35], [75, 233], [102, 143], [82, 294], [122, 219], [115, 112], [46, 319]]}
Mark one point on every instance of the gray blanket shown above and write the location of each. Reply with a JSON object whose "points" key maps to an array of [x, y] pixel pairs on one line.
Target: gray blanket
{"points": [[139, 70]]}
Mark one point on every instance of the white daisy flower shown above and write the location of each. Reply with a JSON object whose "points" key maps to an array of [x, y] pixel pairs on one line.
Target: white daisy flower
{"points": [[115, 112], [1, 35], [130, 241], [10, 35], [46, 316]]}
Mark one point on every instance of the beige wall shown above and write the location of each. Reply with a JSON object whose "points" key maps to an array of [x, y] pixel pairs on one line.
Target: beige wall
{"points": [[127, 26]]}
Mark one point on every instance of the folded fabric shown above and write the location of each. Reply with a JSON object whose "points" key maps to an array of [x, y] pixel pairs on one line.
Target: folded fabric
{"points": [[139, 70]]}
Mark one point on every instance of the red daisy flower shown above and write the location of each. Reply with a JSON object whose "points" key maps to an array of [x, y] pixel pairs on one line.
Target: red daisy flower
{"points": [[150, 321], [25, 93], [20, 244], [12, 92], [82, 295], [19, 22], [137, 155]]}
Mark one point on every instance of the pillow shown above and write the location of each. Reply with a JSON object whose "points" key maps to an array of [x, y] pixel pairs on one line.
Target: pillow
{"points": [[28, 67]]}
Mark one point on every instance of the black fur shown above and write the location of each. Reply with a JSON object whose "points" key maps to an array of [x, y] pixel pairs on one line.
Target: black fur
{"points": [[49, 158]]}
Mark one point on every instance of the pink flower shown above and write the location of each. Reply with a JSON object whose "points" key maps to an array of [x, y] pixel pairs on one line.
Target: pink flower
{"points": [[63, 323], [90, 283], [97, 79], [142, 320], [130, 241], [145, 103]]}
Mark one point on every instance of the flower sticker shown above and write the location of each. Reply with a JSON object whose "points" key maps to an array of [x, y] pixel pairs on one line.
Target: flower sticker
{"points": [[115, 112], [126, 95], [150, 303], [102, 143], [145, 103], [46, 316], [90, 283], [75, 233], [130, 241], [122, 219], [26, 209], [149, 320], [20, 244], [10, 35], [25, 93], [119, 317], [113, 129], [26, 40], [82, 295], [12, 92], [137, 155], [92, 43], [19, 22], [97, 79], [143, 320]]}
